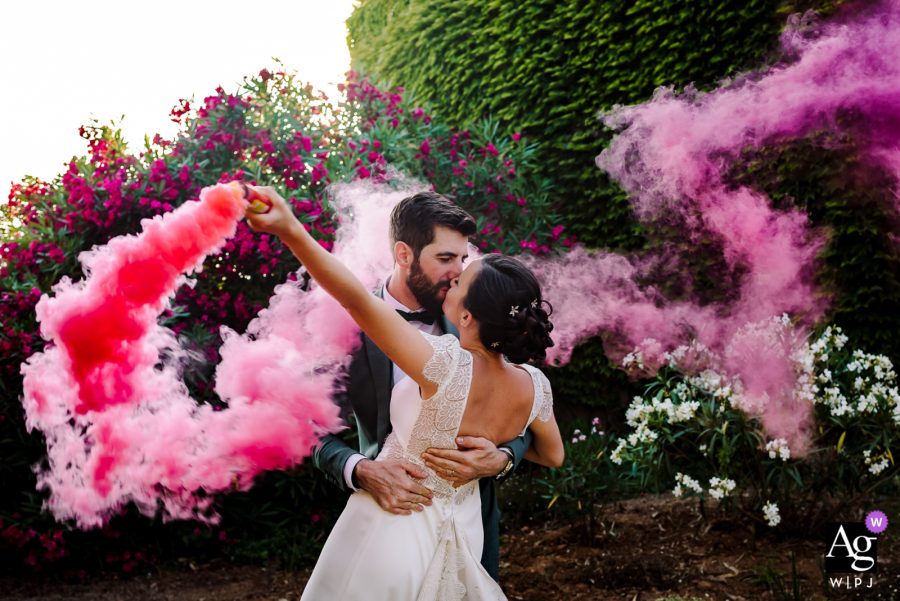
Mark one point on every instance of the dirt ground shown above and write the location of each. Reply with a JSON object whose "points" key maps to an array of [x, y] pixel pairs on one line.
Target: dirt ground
{"points": [[643, 549]]}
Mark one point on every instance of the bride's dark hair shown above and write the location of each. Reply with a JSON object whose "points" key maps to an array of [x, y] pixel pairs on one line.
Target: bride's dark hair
{"points": [[513, 318]]}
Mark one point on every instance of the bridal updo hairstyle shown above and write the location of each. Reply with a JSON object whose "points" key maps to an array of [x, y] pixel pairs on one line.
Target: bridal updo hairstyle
{"points": [[513, 318]]}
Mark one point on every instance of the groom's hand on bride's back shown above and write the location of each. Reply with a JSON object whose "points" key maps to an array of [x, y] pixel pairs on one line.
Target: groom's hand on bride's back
{"points": [[475, 458], [391, 483]]}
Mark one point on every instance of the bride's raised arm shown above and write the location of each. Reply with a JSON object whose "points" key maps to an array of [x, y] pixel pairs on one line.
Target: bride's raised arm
{"points": [[400, 341]]}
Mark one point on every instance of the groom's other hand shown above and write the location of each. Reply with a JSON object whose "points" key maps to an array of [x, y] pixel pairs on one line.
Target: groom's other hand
{"points": [[476, 458], [392, 486]]}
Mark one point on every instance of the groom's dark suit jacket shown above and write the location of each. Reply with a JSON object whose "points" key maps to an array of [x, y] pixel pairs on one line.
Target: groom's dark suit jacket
{"points": [[367, 398]]}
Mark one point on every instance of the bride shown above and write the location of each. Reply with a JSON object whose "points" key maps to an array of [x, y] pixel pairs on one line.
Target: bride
{"points": [[473, 385]]}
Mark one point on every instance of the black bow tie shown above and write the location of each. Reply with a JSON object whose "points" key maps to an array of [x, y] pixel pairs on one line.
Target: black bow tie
{"points": [[419, 316]]}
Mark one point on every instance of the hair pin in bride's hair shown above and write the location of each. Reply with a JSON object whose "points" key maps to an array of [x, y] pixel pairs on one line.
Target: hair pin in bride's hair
{"points": [[514, 310], [495, 344], [534, 304]]}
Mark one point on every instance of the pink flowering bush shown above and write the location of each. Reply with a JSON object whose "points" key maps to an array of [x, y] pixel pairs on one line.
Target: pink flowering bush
{"points": [[272, 131], [489, 174]]}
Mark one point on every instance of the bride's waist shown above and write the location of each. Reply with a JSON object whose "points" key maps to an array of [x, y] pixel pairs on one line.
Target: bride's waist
{"points": [[394, 448]]}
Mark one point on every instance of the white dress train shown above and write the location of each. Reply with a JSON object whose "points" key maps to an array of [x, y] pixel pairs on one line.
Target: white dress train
{"points": [[435, 554]]}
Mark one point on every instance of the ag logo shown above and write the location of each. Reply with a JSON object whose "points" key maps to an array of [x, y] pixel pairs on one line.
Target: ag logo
{"points": [[851, 548]]}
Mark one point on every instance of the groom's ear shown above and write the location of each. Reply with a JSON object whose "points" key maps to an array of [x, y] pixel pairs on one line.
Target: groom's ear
{"points": [[403, 254]]}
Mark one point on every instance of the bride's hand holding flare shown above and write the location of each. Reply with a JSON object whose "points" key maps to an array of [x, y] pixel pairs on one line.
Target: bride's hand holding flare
{"points": [[277, 218]]}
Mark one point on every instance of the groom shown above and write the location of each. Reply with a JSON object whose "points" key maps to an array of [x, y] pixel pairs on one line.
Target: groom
{"points": [[430, 237]]}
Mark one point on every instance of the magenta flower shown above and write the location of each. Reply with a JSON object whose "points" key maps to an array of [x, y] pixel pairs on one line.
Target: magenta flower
{"points": [[319, 172]]}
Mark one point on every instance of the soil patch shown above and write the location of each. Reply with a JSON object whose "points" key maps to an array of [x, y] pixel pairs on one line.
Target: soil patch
{"points": [[649, 548]]}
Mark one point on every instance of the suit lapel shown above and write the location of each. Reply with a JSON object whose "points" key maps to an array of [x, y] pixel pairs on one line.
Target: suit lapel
{"points": [[381, 368], [383, 379]]}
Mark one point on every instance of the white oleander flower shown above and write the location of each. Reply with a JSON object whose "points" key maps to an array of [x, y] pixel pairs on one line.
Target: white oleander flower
{"points": [[707, 380], [616, 455], [688, 482], [840, 339], [642, 434], [634, 358], [771, 513], [876, 464], [867, 404], [637, 412], [880, 466], [720, 487], [664, 406], [703, 448], [675, 355], [684, 412], [837, 402], [723, 392], [778, 448], [819, 345]]}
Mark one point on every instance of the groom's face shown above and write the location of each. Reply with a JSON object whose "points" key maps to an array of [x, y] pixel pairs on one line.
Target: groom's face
{"points": [[437, 265]]}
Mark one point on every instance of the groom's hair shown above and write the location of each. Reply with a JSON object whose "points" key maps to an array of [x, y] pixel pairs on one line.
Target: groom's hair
{"points": [[413, 220]]}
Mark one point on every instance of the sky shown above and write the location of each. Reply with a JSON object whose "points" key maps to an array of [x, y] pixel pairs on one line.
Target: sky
{"points": [[65, 62]]}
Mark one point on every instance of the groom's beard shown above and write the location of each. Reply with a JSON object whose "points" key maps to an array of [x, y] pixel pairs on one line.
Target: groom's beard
{"points": [[425, 292]]}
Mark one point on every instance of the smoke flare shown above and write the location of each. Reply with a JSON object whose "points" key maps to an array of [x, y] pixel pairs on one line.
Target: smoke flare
{"points": [[119, 423], [671, 157]]}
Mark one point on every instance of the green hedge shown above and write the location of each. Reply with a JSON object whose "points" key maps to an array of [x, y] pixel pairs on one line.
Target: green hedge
{"points": [[843, 192], [550, 66]]}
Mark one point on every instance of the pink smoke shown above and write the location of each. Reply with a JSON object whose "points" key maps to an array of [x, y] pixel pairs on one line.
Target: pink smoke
{"points": [[671, 158], [120, 426]]}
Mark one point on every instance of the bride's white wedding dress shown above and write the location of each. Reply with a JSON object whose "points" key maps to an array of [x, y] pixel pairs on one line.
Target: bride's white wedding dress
{"points": [[434, 554]]}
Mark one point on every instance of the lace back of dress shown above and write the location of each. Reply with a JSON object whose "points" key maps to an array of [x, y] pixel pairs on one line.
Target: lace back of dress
{"points": [[440, 416]]}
